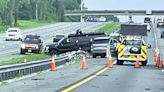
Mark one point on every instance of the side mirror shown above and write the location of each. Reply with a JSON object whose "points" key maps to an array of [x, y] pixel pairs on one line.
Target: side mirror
{"points": [[149, 46], [68, 41], [21, 39]]}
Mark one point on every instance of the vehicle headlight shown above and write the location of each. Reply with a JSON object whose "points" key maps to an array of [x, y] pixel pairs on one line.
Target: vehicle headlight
{"points": [[37, 47], [23, 46]]}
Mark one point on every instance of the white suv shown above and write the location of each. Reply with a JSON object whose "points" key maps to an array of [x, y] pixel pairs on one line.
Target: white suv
{"points": [[13, 34]]}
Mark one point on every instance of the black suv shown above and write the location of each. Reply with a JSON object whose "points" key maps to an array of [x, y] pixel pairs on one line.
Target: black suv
{"points": [[31, 44], [73, 42]]}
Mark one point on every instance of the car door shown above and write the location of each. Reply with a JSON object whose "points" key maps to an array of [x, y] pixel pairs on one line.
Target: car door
{"points": [[113, 45], [66, 45]]}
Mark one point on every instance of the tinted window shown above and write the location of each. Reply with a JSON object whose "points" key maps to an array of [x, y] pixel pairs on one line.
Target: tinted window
{"points": [[12, 30], [31, 39], [99, 41], [132, 42]]}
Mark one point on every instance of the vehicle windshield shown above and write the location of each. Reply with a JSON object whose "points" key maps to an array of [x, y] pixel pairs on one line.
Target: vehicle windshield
{"points": [[132, 42], [12, 30], [31, 40], [100, 41]]}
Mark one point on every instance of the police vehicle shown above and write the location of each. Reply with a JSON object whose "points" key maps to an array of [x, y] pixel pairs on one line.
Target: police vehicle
{"points": [[133, 46]]}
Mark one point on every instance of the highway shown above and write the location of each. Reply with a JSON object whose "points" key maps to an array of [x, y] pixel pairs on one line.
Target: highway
{"points": [[126, 78], [97, 78], [11, 49]]}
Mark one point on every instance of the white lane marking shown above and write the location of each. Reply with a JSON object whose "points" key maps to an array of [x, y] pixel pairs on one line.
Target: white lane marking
{"points": [[162, 70]]}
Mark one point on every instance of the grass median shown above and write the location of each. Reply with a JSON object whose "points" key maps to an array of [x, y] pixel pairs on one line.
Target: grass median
{"points": [[110, 27], [26, 24], [28, 58]]}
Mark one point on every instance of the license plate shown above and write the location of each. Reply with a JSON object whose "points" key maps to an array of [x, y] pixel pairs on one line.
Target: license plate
{"points": [[29, 50]]}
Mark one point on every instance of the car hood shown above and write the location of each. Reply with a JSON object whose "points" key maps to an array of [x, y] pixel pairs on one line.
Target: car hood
{"points": [[99, 45]]}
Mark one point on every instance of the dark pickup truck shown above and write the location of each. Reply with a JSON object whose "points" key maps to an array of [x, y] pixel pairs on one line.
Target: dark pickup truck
{"points": [[62, 46], [73, 42]]}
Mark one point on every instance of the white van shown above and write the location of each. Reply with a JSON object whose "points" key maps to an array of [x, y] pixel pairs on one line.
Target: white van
{"points": [[13, 34]]}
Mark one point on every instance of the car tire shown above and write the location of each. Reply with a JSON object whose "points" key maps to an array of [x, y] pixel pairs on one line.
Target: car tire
{"points": [[76, 48], [161, 36], [103, 56], [53, 52], [38, 51], [94, 56], [120, 62], [22, 51], [144, 63]]}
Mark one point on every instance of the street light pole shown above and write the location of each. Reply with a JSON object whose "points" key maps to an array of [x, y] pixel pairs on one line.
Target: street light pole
{"points": [[82, 9]]}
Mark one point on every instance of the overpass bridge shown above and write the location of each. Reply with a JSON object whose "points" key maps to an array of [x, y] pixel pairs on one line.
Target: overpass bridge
{"points": [[129, 13]]}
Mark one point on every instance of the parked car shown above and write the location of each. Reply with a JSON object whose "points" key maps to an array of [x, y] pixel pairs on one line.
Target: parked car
{"points": [[13, 34], [100, 46], [31, 44], [147, 20], [160, 23]]}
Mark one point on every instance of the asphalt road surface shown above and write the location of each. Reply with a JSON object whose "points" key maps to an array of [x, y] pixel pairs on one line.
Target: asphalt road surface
{"points": [[126, 78], [11, 49]]}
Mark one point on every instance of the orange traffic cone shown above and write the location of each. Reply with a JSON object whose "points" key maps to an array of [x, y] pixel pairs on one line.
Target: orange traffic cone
{"points": [[83, 63], [161, 63], [110, 62], [157, 61], [53, 64], [137, 63]]}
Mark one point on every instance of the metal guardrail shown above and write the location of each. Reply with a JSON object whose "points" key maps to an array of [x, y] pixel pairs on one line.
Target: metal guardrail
{"points": [[18, 70], [158, 56]]}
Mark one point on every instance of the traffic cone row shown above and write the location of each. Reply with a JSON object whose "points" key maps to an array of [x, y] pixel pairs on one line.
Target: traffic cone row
{"points": [[53, 63], [158, 60]]}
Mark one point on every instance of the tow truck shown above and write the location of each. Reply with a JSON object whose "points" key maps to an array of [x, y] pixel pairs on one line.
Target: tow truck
{"points": [[133, 45]]}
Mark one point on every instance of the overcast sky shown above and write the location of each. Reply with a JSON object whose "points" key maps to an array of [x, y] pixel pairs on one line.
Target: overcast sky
{"points": [[125, 5]]}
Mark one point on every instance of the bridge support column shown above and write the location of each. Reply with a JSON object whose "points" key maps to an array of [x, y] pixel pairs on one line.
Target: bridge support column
{"points": [[82, 18]]}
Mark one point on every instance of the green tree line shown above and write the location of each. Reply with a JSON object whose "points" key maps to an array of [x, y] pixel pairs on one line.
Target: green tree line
{"points": [[41, 10]]}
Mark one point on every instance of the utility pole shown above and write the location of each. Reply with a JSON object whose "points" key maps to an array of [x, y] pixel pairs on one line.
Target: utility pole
{"points": [[16, 5], [82, 9], [36, 11]]}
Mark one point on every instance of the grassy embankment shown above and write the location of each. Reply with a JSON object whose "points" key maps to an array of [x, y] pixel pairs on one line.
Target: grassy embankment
{"points": [[110, 27], [107, 28], [25, 24]]}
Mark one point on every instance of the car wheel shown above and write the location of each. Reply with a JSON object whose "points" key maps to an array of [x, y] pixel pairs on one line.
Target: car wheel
{"points": [[120, 62], [144, 63], [94, 56], [103, 56], [76, 48], [22, 51], [161, 36], [53, 52]]}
